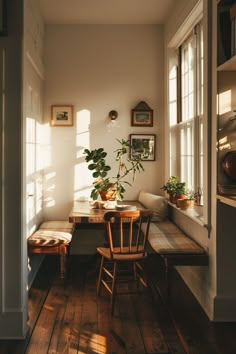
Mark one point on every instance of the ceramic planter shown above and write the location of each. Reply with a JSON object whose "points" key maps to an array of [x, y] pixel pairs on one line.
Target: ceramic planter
{"points": [[185, 204]]}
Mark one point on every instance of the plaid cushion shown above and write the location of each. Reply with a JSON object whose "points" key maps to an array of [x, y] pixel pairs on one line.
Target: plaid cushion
{"points": [[167, 238]]}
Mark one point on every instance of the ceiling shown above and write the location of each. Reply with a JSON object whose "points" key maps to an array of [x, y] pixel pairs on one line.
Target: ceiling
{"points": [[105, 11]]}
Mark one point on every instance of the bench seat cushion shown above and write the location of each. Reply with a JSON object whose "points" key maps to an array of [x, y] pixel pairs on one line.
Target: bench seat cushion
{"points": [[58, 225], [49, 238], [166, 238]]}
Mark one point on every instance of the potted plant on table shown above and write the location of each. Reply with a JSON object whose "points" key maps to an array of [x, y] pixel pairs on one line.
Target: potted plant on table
{"points": [[112, 187], [174, 188]]}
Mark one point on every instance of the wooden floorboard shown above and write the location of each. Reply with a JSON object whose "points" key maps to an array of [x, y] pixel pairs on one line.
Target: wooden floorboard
{"points": [[68, 317], [150, 327], [110, 327]]}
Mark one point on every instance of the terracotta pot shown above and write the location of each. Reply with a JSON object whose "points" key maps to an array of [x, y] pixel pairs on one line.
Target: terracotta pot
{"points": [[175, 197], [185, 204], [171, 197], [108, 195], [179, 197]]}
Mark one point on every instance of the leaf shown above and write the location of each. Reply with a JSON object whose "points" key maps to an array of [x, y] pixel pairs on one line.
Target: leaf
{"points": [[94, 194], [96, 174], [103, 174], [92, 166]]}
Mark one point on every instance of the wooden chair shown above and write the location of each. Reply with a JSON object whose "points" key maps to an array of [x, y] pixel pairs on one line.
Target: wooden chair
{"points": [[129, 248]]}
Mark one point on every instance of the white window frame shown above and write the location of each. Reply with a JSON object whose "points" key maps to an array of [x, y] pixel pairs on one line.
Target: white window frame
{"points": [[184, 30], [186, 111]]}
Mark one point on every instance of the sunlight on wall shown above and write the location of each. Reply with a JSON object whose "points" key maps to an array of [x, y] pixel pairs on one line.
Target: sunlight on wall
{"points": [[33, 173], [225, 102], [30, 141], [82, 177], [112, 125], [46, 147], [49, 185], [49, 176]]}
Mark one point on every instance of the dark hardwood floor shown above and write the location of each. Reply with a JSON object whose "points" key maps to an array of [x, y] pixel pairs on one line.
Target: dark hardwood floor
{"points": [[69, 318]]}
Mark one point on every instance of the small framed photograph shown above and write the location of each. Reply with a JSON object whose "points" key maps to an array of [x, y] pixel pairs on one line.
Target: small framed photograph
{"points": [[142, 118], [62, 116], [144, 145]]}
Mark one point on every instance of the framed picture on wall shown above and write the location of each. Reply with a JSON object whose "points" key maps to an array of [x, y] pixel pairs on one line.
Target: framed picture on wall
{"points": [[142, 119], [61, 116], [144, 145], [142, 115]]}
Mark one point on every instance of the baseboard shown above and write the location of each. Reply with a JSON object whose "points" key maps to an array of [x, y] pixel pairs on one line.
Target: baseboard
{"points": [[13, 325], [224, 309]]}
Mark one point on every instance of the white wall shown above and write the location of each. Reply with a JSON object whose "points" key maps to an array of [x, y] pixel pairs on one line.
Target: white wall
{"points": [[98, 68], [32, 126]]}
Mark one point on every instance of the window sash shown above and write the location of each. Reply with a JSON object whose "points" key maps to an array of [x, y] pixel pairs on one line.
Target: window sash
{"points": [[186, 112]]}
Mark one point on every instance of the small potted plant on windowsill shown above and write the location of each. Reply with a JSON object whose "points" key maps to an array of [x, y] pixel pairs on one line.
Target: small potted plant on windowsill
{"points": [[187, 202], [112, 187], [174, 188]]}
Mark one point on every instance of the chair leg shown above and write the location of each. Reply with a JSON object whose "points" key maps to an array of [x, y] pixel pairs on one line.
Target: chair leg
{"points": [[135, 271], [142, 277], [113, 290], [62, 265], [100, 276]]}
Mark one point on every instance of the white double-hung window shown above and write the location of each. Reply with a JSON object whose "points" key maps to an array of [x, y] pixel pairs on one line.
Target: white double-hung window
{"points": [[186, 112]]}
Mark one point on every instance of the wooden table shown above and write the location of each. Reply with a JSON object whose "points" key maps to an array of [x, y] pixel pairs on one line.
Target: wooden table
{"points": [[84, 212]]}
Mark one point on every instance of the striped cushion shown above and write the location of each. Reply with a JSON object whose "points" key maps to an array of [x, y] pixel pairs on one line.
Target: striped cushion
{"points": [[167, 238], [49, 238]]}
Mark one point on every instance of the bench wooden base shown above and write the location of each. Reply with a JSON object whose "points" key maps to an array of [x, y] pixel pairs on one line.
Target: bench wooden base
{"points": [[175, 247], [52, 237]]}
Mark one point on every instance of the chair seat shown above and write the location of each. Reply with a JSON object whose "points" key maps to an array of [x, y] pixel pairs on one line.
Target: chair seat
{"points": [[105, 252], [49, 238]]}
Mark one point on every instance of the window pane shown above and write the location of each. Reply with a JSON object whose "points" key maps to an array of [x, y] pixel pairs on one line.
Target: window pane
{"points": [[187, 80], [173, 96], [174, 150], [186, 154], [186, 114]]}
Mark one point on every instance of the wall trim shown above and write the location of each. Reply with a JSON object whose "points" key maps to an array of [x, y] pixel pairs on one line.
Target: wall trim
{"points": [[12, 325], [185, 29], [34, 65]]}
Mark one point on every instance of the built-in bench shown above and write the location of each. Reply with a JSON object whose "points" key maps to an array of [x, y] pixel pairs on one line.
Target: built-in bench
{"points": [[175, 247], [52, 237]]}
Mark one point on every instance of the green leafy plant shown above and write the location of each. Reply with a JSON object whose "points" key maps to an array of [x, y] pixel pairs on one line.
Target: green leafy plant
{"points": [[174, 187], [113, 187]]}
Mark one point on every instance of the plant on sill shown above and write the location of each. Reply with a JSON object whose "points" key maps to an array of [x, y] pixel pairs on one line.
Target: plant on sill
{"points": [[174, 188], [187, 202], [112, 188], [190, 195]]}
